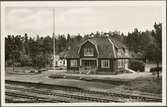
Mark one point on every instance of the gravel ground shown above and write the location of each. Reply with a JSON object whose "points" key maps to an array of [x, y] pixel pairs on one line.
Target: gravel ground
{"points": [[119, 76], [134, 80], [43, 78]]}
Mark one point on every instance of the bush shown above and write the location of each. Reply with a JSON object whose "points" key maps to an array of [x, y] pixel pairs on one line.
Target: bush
{"points": [[137, 65], [25, 60], [155, 69], [41, 60], [56, 76]]}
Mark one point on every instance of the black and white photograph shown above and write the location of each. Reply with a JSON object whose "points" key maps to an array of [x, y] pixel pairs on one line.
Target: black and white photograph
{"points": [[100, 53]]}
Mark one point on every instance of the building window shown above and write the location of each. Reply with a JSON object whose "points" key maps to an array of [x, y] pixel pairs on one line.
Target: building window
{"points": [[73, 63], [88, 51], [105, 63], [120, 63]]}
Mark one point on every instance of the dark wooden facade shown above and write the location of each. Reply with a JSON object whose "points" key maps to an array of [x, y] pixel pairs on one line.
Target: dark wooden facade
{"points": [[69, 63], [110, 69], [99, 55]]}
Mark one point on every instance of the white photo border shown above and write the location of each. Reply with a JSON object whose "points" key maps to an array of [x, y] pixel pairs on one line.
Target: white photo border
{"points": [[83, 3]]}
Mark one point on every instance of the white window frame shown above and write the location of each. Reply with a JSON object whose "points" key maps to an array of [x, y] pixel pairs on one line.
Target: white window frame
{"points": [[105, 63], [120, 63], [73, 63], [88, 51]]}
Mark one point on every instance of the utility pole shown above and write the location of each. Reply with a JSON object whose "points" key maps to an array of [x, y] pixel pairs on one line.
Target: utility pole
{"points": [[54, 53]]}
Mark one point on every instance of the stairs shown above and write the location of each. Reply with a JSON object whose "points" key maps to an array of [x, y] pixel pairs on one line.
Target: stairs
{"points": [[88, 72], [84, 70]]}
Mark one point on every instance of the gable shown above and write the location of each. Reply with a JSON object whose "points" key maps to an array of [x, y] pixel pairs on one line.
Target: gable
{"points": [[88, 44]]}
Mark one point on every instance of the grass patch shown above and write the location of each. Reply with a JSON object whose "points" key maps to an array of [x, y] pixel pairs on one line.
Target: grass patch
{"points": [[150, 85], [10, 69], [23, 70], [141, 84]]}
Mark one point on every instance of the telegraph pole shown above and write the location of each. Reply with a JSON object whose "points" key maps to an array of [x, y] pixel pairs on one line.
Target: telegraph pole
{"points": [[54, 50]]}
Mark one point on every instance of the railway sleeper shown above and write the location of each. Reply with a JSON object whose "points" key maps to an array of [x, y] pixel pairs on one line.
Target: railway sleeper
{"points": [[103, 93]]}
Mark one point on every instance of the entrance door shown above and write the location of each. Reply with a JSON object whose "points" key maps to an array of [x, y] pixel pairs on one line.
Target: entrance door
{"points": [[89, 63], [88, 66]]}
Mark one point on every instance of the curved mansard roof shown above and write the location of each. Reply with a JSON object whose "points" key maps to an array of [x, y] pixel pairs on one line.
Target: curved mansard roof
{"points": [[104, 46]]}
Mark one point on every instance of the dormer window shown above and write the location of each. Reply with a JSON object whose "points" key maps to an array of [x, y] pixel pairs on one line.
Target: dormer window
{"points": [[88, 51]]}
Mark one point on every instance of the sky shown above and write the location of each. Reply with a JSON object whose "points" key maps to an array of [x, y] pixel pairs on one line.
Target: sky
{"points": [[80, 19]]}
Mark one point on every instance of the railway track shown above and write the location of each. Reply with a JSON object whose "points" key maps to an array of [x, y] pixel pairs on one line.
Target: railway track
{"points": [[31, 99], [104, 96], [61, 94]]}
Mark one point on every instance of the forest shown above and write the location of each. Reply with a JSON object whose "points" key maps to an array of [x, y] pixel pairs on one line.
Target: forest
{"points": [[24, 50]]}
